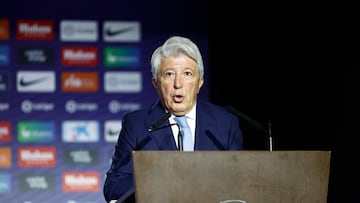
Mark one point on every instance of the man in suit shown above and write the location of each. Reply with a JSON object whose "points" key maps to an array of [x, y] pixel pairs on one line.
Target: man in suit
{"points": [[178, 75]]}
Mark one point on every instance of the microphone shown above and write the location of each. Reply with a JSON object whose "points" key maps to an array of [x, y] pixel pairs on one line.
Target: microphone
{"points": [[180, 137], [253, 123], [156, 126], [246, 118], [180, 140], [161, 120]]}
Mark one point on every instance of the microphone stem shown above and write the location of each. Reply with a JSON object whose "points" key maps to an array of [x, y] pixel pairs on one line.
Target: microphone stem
{"points": [[270, 137], [180, 140]]}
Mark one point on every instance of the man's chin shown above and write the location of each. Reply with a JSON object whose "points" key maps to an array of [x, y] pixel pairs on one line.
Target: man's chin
{"points": [[178, 111]]}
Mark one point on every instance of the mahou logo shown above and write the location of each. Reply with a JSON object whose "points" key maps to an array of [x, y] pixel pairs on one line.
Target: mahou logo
{"points": [[85, 181], [34, 30], [5, 131], [79, 56], [37, 156]]}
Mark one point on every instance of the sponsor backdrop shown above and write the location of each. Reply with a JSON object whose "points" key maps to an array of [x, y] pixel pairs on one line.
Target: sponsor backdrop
{"points": [[68, 72]]}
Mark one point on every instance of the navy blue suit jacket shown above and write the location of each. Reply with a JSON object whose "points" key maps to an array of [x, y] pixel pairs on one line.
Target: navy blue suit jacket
{"points": [[216, 129]]}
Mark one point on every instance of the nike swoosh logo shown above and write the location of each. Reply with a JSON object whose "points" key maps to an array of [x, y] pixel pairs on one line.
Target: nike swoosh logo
{"points": [[113, 133], [31, 82], [110, 32]]}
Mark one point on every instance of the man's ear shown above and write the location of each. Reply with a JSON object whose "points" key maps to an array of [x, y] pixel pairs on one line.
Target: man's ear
{"points": [[154, 83], [201, 83]]}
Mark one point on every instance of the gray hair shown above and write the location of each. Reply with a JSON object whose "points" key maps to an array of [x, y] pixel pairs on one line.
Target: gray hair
{"points": [[173, 47]]}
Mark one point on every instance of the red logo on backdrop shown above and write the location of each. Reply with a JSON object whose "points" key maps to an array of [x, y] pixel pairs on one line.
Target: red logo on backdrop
{"points": [[34, 30], [85, 181], [79, 56], [5, 131], [4, 29], [37, 156]]}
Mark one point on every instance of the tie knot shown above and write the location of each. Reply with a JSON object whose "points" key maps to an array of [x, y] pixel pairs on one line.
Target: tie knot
{"points": [[181, 120]]}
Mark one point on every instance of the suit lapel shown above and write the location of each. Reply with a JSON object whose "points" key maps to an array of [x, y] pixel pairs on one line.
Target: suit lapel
{"points": [[206, 130], [162, 137]]}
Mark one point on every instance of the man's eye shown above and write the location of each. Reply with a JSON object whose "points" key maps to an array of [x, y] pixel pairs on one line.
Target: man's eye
{"points": [[168, 74], [188, 73]]}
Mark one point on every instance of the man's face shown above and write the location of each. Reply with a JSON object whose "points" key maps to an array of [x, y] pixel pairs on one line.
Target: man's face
{"points": [[178, 84]]}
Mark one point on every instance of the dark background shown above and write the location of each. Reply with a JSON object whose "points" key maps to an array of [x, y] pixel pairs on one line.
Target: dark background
{"points": [[294, 65]]}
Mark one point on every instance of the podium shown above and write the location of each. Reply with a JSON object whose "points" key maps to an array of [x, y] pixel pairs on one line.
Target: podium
{"points": [[240, 176]]}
